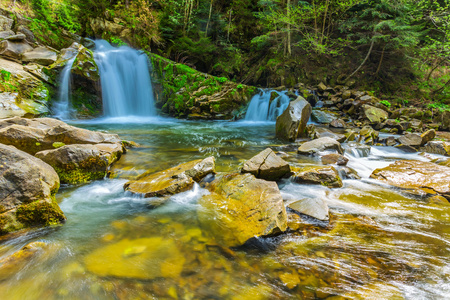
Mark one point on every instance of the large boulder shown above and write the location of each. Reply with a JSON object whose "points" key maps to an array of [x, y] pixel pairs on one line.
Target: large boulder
{"points": [[172, 181], [374, 114], [37, 135], [241, 207], [41, 55], [324, 175], [319, 145], [8, 106], [27, 189], [413, 174], [323, 116], [428, 136], [81, 163], [85, 65], [266, 165], [292, 122], [14, 49]]}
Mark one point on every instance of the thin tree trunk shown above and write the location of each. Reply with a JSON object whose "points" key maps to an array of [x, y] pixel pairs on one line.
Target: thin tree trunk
{"points": [[209, 18], [288, 7], [229, 26], [381, 60], [324, 21], [364, 61]]}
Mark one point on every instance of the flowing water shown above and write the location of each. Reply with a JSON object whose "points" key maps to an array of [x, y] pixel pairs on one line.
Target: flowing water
{"points": [[267, 105], [380, 243], [62, 107]]}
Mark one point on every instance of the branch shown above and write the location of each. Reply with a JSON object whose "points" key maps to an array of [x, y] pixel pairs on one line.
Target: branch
{"points": [[364, 61]]}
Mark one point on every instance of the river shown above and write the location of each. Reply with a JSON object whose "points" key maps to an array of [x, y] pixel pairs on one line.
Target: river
{"points": [[380, 242]]}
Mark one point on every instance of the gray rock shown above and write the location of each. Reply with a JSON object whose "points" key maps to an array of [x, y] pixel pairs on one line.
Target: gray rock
{"points": [[338, 123], [5, 23], [321, 132], [411, 139], [266, 165], [5, 34], [14, 50], [8, 106], [323, 116], [331, 159], [319, 145], [16, 37], [29, 36], [313, 207], [40, 55], [438, 147], [292, 122], [427, 136], [374, 114]]}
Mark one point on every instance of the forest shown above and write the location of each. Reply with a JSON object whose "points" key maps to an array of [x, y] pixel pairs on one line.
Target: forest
{"points": [[397, 48]]}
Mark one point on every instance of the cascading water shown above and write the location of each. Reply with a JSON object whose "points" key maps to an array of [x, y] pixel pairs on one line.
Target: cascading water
{"points": [[261, 107], [125, 80], [62, 107], [125, 83]]}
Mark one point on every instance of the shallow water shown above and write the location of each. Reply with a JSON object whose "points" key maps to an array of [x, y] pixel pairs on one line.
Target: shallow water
{"points": [[380, 243]]}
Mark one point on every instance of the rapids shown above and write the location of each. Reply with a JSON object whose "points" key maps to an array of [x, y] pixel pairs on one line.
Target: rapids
{"points": [[380, 243]]}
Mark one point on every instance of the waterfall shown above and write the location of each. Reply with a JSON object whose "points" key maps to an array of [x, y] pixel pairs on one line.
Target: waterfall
{"points": [[262, 109], [61, 108], [125, 81]]}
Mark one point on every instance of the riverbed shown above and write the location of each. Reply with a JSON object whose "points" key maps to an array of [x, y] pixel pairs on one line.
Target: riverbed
{"points": [[380, 242]]}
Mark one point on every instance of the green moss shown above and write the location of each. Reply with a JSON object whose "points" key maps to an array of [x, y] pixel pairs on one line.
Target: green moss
{"points": [[57, 145], [40, 213], [78, 175]]}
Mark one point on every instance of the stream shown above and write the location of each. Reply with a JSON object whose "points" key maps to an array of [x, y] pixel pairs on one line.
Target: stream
{"points": [[380, 242]]}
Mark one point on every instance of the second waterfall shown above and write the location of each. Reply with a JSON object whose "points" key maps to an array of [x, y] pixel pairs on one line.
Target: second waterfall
{"points": [[125, 81]]}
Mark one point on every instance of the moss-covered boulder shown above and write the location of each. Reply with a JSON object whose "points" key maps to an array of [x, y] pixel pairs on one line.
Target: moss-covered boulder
{"points": [[186, 93], [241, 207], [81, 163], [413, 174], [173, 180], [85, 65], [33, 94], [323, 175], [291, 124], [374, 114], [34, 135], [27, 189]]}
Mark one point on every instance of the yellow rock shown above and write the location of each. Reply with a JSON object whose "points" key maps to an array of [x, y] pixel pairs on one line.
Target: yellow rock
{"points": [[290, 280], [145, 258]]}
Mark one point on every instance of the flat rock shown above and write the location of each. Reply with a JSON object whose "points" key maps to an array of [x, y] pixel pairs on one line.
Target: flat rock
{"points": [[266, 165], [321, 132], [323, 175], [338, 123], [27, 189], [81, 163], [241, 207], [412, 174], [319, 145], [40, 55], [172, 181], [313, 207], [292, 122], [323, 117], [8, 106], [6, 33], [16, 37]]}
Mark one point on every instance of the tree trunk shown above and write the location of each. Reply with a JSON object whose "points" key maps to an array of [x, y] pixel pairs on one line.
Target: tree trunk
{"points": [[364, 61], [209, 18], [288, 8]]}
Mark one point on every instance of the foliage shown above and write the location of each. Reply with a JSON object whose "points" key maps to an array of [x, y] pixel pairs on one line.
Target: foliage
{"points": [[386, 103]]}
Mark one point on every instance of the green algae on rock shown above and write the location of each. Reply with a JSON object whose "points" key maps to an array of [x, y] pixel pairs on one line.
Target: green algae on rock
{"points": [[27, 191], [172, 181], [145, 258], [324, 175], [241, 207]]}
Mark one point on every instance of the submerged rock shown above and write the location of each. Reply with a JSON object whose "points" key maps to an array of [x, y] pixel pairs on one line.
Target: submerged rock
{"points": [[413, 174], [27, 189], [82, 163], [292, 122], [313, 207], [241, 207], [266, 165], [172, 181], [145, 258], [319, 145], [324, 175]]}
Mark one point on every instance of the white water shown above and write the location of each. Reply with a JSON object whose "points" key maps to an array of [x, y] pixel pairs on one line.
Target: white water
{"points": [[125, 80], [262, 109], [62, 108]]}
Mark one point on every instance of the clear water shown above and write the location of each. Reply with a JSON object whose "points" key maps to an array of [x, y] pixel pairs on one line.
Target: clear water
{"points": [[62, 109], [381, 243]]}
